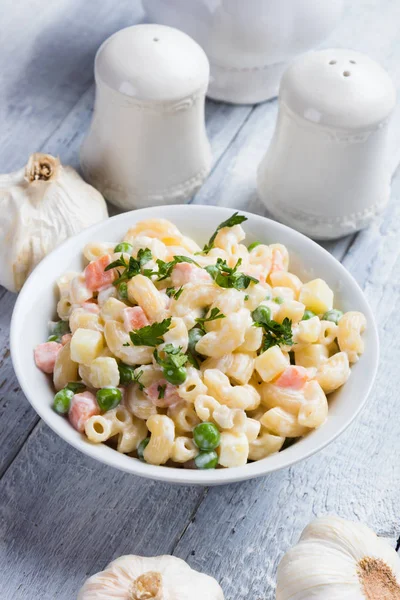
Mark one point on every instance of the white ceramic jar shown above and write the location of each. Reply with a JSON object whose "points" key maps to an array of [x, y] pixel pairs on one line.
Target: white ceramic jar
{"points": [[326, 171], [147, 143], [249, 42]]}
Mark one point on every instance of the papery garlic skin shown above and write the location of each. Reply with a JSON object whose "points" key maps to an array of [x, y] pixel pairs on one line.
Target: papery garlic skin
{"points": [[177, 580], [41, 206], [327, 564]]}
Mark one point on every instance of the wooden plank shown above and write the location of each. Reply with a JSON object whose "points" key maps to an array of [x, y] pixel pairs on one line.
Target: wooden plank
{"points": [[48, 65], [63, 516], [17, 418], [356, 477]]}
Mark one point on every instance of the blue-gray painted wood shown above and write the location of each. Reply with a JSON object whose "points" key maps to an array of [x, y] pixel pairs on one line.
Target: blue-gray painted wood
{"points": [[62, 515]]}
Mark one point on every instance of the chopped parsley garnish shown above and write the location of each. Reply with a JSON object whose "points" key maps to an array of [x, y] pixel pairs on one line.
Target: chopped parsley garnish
{"points": [[136, 379], [165, 268], [174, 357], [235, 219], [161, 391], [214, 315], [132, 267], [275, 334], [174, 293], [230, 277], [150, 335]]}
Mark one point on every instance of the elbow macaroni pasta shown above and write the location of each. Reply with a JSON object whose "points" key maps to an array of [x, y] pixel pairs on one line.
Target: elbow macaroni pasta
{"points": [[256, 389]]}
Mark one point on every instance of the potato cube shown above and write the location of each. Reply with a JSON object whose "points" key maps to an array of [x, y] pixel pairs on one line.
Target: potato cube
{"points": [[292, 310], [113, 310], [271, 363], [317, 296], [104, 372], [311, 356], [308, 331], [233, 449], [82, 319], [86, 345]]}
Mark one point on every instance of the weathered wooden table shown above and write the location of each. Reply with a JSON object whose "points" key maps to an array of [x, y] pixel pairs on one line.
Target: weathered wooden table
{"points": [[65, 516]]}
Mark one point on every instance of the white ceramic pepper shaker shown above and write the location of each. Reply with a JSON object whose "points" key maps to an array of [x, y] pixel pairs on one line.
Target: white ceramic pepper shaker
{"points": [[326, 170], [147, 143]]}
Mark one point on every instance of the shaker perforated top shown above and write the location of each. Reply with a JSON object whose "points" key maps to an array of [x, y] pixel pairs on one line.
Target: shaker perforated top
{"points": [[152, 63], [338, 88]]}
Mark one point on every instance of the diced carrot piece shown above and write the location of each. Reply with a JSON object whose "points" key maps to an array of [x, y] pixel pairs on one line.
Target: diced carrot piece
{"points": [[187, 273], [135, 318], [83, 406], [45, 356], [165, 389], [95, 275], [293, 377]]}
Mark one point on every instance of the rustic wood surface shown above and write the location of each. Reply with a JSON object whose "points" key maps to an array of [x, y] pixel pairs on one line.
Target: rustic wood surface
{"points": [[64, 516]]}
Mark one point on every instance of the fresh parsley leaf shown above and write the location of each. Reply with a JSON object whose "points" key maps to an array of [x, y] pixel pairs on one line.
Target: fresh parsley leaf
{"points": [[136, 379], [165, 268], [150, 335], [174, 293], [173, 357], [161, 391], [132, 267], [235, 219], [144, 256], [214, 315], [193, 360], [276, 334], [230, 277]]}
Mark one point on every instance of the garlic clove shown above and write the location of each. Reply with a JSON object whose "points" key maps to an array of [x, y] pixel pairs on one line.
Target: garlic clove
{"points": [[150, 578], [337, 559], [41, 205]]}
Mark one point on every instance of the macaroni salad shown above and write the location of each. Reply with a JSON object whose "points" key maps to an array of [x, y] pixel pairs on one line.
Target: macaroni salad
{"points": [[202, 358]]}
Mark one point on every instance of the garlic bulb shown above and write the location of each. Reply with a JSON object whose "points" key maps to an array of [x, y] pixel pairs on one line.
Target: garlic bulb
{"points": [[41, 205], [158, 578], [337, 559]]}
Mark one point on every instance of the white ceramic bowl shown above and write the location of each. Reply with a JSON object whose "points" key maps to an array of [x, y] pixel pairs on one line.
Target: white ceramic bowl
{"points": [[36, 303]]}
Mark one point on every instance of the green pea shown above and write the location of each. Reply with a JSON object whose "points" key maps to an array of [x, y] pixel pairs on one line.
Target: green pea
{"points": [[195, 335], [124, 247], [308, 314], [126, 374], [333, 315], [59, 328], [253, 245], [123, 290], [261, 314], [206, 436], [206, 460], [175, 375], [75, 386], [53, 338], [278, 300], [141, 448], [62, 401], [108, 398]]}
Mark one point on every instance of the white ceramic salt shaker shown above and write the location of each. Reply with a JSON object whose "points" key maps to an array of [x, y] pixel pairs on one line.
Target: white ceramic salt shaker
{"points": [[147, 143], [326, 170]]}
